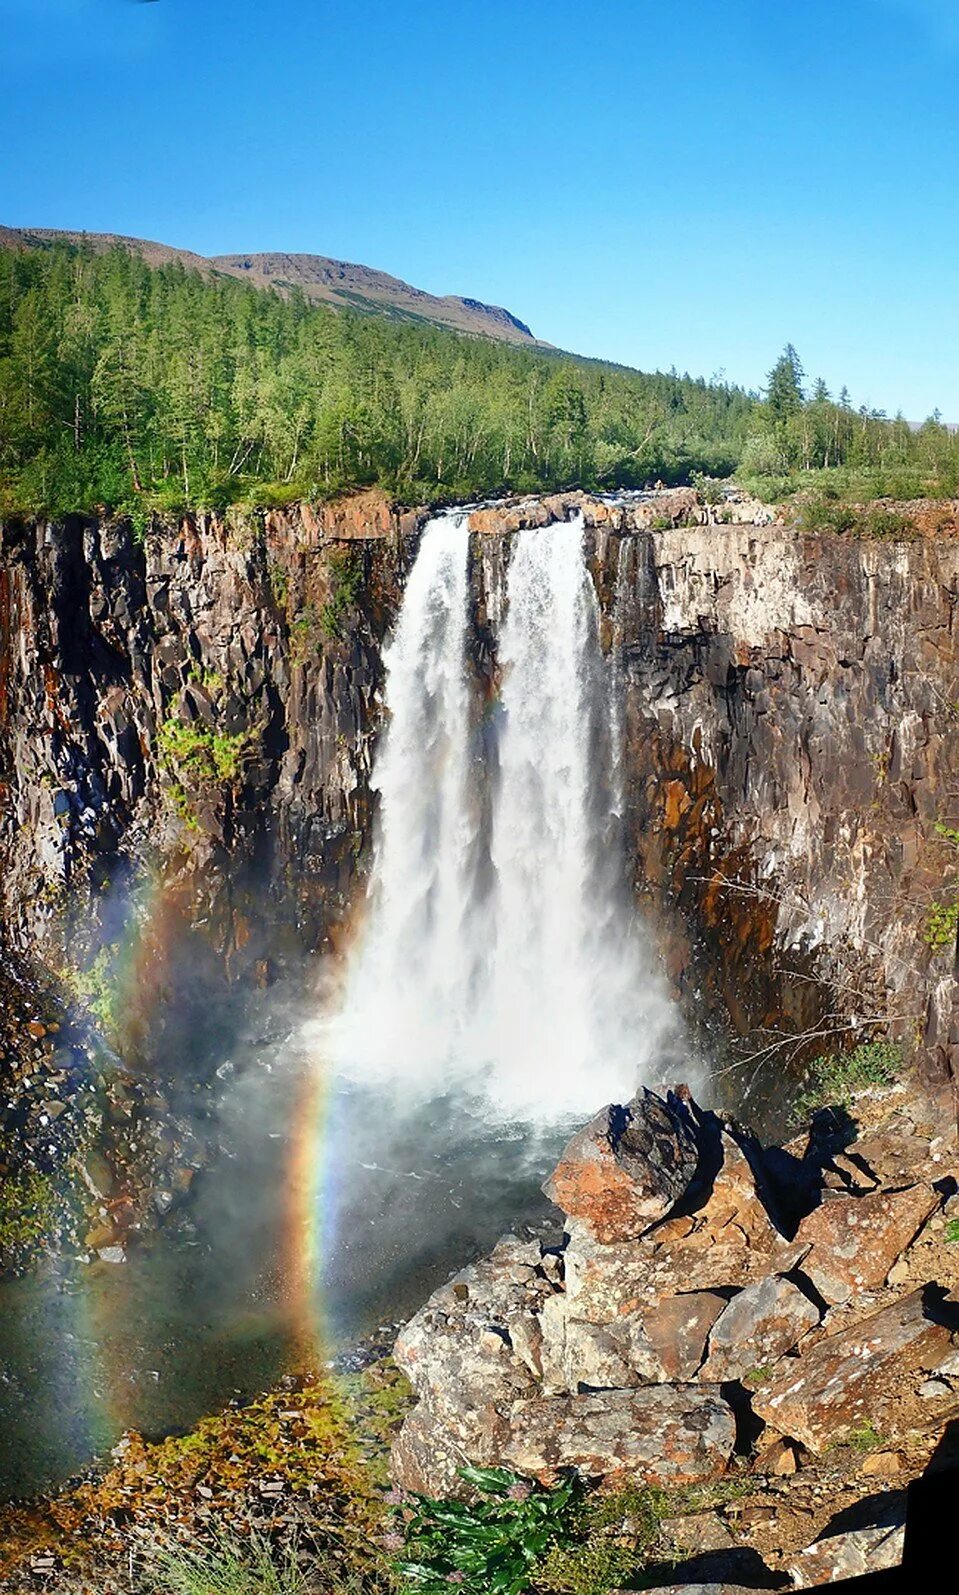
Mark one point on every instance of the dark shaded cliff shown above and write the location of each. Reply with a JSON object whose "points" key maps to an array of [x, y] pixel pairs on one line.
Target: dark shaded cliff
{"points": [[203, 704]]}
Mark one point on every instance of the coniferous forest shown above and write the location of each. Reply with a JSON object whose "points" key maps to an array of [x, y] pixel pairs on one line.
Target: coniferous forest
{"points": [[155, 388]]}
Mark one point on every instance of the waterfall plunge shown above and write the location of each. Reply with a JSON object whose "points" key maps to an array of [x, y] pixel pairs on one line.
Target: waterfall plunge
{"points": [[500, 959]]}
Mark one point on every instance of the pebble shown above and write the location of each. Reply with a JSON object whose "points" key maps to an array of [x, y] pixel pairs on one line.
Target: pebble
{"points": [[933, 1389], [111, 1254]]}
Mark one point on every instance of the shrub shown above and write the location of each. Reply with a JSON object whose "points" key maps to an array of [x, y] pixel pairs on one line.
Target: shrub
{"points": [[835, 1078], [942, 924], [198, 755]]}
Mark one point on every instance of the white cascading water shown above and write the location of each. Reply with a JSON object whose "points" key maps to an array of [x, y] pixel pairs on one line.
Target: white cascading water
{"points": [[500, 959]]}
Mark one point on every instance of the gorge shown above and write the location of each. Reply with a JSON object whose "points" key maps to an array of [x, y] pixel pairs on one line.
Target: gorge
{"points": [[735, 731]]}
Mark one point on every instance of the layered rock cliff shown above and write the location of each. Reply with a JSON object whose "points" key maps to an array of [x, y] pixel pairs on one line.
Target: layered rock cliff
{"points": [[203, 700]]}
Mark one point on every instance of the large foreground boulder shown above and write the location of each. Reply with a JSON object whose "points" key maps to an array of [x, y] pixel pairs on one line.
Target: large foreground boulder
{"points": [[627, 1168], [696, 1294]]}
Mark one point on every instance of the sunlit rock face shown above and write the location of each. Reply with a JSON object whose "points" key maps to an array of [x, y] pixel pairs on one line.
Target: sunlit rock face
{"points": [[786, 719], [688, 1299]]}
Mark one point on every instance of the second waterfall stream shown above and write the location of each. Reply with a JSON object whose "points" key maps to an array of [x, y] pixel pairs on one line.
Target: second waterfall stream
{"points": [[500, 960]]}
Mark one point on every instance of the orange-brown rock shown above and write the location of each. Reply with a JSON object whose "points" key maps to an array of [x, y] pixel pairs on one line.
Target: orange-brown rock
{"points": [[862, 1376], [854, 1240], [669, 1340], [626, 1169]]}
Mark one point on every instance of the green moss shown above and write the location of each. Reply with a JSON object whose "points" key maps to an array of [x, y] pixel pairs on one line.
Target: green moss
{"points": [[279, 578], [346, 581], [96, 988], [28, 1215], [303, 634]]}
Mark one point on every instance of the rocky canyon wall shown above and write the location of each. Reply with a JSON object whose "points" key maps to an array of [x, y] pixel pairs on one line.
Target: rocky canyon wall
{"points": [[205, 700]]}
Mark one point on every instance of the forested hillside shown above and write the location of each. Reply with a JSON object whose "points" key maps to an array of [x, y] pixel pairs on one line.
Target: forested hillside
{"points": [[149, 388]]}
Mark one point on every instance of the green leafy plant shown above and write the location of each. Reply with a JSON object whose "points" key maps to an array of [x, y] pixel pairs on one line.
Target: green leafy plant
{"points": [[834, 1078], [492, 1545], [952, 1231], [942, 923]]}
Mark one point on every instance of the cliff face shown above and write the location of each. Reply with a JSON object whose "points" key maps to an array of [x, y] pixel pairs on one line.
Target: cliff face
{"points": [[201, 702], [793, 736], [208, 702]]}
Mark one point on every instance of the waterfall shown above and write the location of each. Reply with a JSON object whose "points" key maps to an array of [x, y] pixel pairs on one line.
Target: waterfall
{"points": [[408, 988], [501, 959]]}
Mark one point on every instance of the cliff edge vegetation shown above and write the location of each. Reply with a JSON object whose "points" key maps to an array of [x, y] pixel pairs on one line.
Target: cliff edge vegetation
{"points": [[151, 388]]}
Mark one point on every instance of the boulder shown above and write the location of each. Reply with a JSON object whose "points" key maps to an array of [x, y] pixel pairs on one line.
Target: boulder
{"points": [[668, 1342], [859, 1376], [661, 1434], [855, 1240], [627, 1168], [576, 1353], [759, 1326], [464, 1364], [851, 1555], [662, 1344]]}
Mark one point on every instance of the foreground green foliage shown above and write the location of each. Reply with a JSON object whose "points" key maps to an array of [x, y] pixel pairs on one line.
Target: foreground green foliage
{"points": [[834, 1078], [489, 1547], [517, 1536]]}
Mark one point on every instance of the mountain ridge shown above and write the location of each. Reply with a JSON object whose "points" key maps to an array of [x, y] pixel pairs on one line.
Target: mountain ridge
{"points": [[342, 284]]}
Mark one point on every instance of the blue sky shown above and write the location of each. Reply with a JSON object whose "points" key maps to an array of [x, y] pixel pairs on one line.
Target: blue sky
{"points": [[689, 184]]}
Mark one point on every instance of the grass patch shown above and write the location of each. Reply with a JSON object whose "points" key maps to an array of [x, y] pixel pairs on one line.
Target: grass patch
{"points": [[198, 755], [864, 1438], [835, 1078], [28, 1215], [232, 1567]]}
